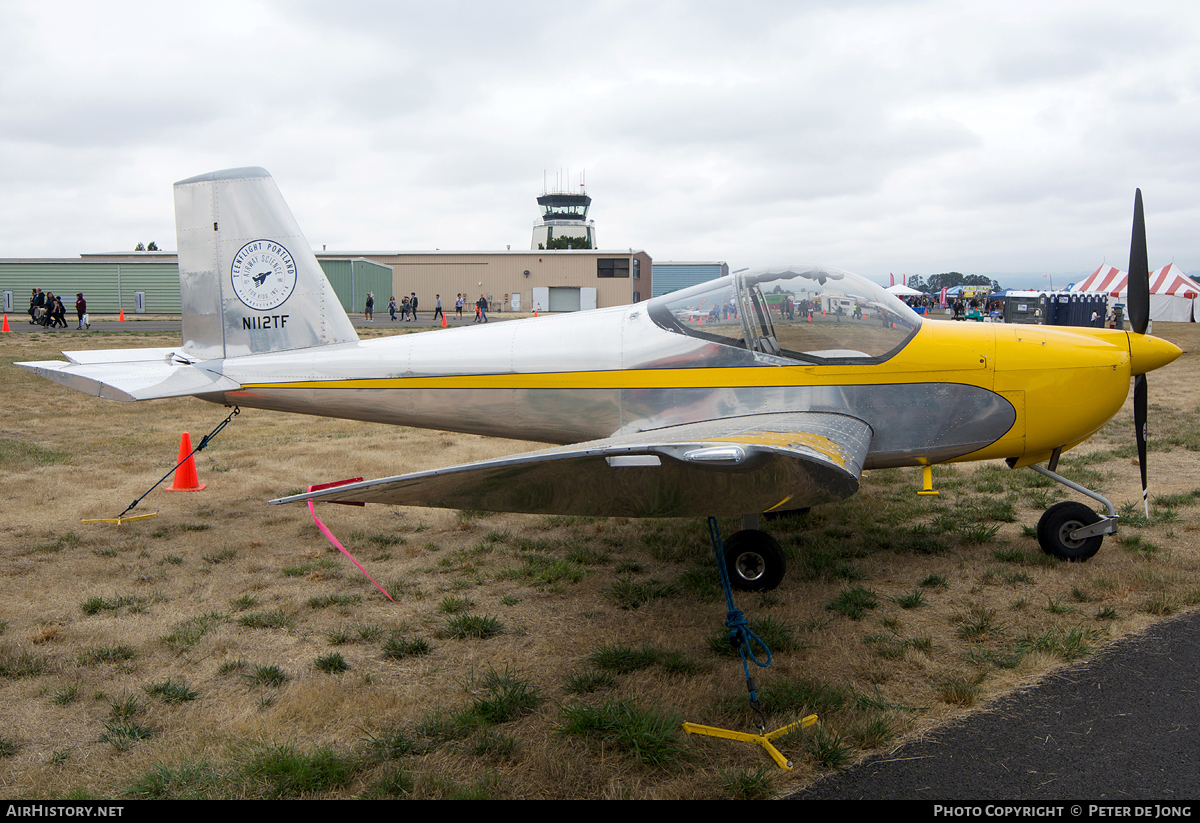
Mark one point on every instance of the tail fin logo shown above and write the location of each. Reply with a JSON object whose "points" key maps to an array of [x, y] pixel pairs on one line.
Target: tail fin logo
{"points": [[263, 275]]}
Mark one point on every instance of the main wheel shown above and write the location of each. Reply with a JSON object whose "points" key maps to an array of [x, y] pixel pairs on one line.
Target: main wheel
{"points": [[1055, 527], [755, 561]]}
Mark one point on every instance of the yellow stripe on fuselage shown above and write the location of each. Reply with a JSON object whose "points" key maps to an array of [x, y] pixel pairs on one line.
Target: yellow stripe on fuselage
{"points": [[940, 352], [623, 379]]}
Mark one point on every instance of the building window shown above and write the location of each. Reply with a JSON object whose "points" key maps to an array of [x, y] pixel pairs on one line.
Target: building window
{"points": [[637, 269], [612, 266]]}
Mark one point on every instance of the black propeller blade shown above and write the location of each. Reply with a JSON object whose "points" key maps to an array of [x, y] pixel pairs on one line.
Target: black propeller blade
{"points": [[1139, 422], [1139, 270], [1139, 319]]}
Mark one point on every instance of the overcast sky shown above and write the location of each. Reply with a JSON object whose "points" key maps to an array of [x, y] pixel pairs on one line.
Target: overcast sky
{"points": [[906, 137]]}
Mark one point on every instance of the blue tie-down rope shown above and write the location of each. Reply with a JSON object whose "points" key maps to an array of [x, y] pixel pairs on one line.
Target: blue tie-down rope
{"points": [[743, 640], [740, 636]]}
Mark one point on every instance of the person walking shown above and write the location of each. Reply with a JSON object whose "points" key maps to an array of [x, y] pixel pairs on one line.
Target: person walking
{"points": [[482, 306], [437, 308], [37, 305], [81, 310], [58, 315], [47, 316], [413, 305], [369, 313], [392, 308], [458, 304]]}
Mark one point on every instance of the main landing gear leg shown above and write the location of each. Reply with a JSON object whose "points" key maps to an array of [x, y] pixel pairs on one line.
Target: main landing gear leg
{"points": [[1072, 531]]}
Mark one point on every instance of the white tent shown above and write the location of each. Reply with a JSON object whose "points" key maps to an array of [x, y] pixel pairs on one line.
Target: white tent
{"points": [[901, 290], [1173, 295]]}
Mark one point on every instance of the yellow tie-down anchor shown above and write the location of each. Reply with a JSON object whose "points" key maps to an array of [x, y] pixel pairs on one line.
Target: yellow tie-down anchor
{"points": [[763, 740], [120, 520]]}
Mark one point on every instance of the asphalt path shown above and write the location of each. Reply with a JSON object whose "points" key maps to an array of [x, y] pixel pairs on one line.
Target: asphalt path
{"points": [[1120, 727]]}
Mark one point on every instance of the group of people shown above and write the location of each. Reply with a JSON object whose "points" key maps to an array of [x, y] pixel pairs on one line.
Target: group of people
{"points": [[408, 308], [921, 301], [974, 304], [46, 309]]}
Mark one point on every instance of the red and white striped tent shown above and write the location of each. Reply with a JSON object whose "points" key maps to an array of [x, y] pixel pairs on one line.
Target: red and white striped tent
{"points": [[1108, 279], [1173, 295]]}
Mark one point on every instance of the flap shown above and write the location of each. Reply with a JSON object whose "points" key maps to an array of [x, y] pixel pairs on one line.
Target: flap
{"points": [[736, 465]]}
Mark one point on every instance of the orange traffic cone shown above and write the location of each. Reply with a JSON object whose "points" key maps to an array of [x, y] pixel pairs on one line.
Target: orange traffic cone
{"points": [[443, 320], [122, 317], [6, 328], [185, 476]]}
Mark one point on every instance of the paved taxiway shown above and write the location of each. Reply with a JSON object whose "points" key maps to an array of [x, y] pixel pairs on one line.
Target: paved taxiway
{"points": [[1122, 726]]}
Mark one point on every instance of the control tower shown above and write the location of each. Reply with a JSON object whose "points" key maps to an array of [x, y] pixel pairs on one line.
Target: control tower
{"points": [[564, 223]]}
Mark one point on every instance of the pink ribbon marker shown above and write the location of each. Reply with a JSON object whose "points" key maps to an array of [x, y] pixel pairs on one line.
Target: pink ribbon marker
{"points": [[325, 530]]}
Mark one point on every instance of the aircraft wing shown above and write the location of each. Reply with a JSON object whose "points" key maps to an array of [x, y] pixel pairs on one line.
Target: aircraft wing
{"points": [[719, 467], [131, 374]]}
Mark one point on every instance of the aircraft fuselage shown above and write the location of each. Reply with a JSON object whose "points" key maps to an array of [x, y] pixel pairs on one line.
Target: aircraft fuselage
{"points": [[954, 391]]}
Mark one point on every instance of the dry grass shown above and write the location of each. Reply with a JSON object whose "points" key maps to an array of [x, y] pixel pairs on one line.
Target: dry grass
{"points": [[248, 608]]}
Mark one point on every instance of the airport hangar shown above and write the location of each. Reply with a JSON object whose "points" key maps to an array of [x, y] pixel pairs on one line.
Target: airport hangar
{"points": [[558, 280]]}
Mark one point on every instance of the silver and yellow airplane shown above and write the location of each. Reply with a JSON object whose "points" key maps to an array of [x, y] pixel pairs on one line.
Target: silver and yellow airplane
{"points": [[762, 391]]}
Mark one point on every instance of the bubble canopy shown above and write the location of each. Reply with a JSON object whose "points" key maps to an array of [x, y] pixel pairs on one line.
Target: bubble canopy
{"points": [[812, 314]]}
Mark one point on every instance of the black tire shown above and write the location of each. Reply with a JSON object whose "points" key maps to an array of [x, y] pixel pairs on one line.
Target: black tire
{"points": [[755, 561], [1055, 527], [1053, 511]]}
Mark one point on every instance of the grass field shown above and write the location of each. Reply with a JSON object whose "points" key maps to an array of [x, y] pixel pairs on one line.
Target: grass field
{"points": [[224, 649]]}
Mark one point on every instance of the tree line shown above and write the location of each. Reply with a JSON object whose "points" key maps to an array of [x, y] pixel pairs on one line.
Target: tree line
{"points": [[948, 280]]}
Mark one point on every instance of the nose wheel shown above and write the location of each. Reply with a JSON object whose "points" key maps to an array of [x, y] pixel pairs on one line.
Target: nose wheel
{"points": [[755, 561], [1063, 531], [1072, 531]]}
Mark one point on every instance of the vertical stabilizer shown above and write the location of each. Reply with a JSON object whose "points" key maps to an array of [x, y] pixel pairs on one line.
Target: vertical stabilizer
{"points": [[248, 280]]}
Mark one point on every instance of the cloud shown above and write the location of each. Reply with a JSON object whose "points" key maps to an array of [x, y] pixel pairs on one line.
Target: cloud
{"points": [[878, 136]]}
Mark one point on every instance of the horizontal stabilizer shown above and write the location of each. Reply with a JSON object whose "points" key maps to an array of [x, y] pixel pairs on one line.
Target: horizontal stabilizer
{"points": [[720, 467], [131, 375]]}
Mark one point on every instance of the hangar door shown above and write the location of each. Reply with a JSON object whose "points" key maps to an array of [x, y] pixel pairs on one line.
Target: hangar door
{"points": [[564, 298]]}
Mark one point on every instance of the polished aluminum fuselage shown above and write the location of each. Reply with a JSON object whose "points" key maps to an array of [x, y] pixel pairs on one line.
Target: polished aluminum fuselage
{"points": [[571, 378]]}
